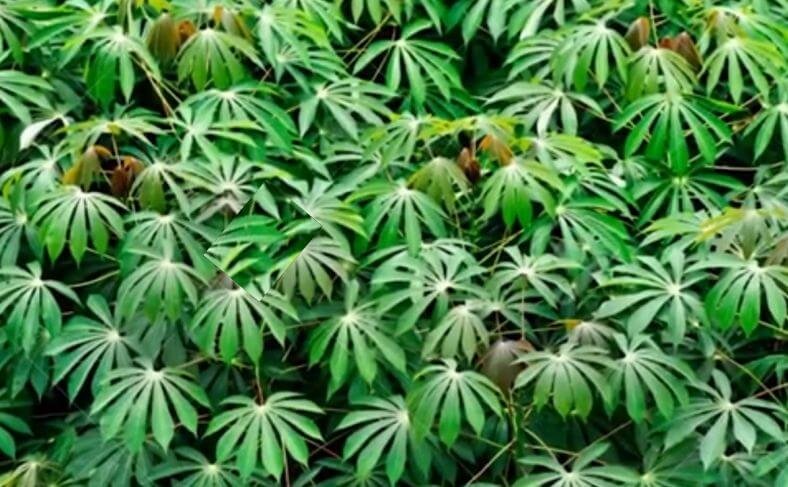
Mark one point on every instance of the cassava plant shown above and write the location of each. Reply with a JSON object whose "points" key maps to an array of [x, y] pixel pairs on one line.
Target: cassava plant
{"points": [[393, 242]]}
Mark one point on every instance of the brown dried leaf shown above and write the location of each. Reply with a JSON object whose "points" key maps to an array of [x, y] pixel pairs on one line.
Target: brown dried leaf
{"points": [[230, 22], [87, 166], [637, 34], [123, 176], [186, 29], [164, 38], [469, 165], [498, 363], [497, 148], [685, 47]]}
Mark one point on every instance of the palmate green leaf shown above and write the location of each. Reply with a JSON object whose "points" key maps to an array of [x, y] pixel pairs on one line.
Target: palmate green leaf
{"points": [[193, 469], [88, 346], [511, 189], [15, 222], [499, 128], [731, 20], [768, 193], [30, 366], [741, 230], [381, 426], [652, 67], [44, 119], [444, 249], [264, 434], [642, 368], [588, 50], [589, 332], [203, 132], [764, 127], [339, 472], [570, 154], [594, 180], [544, 106], [665, 118], [231, 319], [738, 465], [215, 56], [471, 15], [744, 57], [344, 101], [148, 229], [526, 19], [420, 59], [724, 418], [358, 332], [141, 399], [677, 466], [565, 375], [248, 241], [10, 423], [776, 461], [668, 193], [248, 101], [396, 211], [742, 288], [322, 204], [98, 461], [581, 472], [454, 397], [136, 123], [532, 56], [459, 104], [542, 273], [294, 42], [375, 9], [355, 156], [71, 215], [57, 24], [30, 303], [18, 90], [314, 268], [656, 292], [513, 301], [223, 185], [158, 285], [461, 332], [397, 139], [13, 25], [38, 174], [587, 228], [327, 15], [441, 179], [32, 469], [303, 64], [431, 280], [111, 67]]}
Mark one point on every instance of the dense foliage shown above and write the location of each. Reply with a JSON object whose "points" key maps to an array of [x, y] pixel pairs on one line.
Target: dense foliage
{"points": [[491, 242]]}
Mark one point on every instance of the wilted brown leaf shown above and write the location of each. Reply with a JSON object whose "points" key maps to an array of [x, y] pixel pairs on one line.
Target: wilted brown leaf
{"points": [[87, 166], [683, 45], [498, 363], [230, 22], [186, 29], [123, 176], [637, 34], [469, 165], [497, 148], [164, 38]]}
